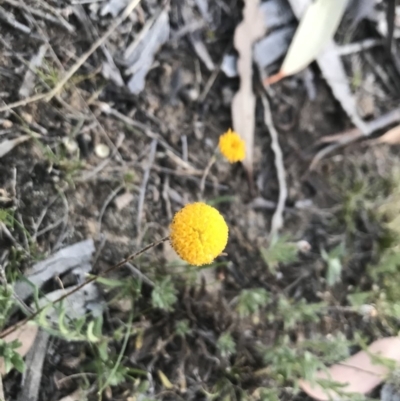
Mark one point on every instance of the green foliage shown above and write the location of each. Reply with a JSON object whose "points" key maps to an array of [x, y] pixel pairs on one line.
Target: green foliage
{"points": [[334, 264], [110, 283], [294, 313], [223, 390], [12, 359], [287, 364], [267, 394], [388, 265], [386, 293], [83, 329], [359, 298], [250, 301], [221, 199], [127, 289], [164, 294], [226, 345], [355, 199], [330, 349], [129, 177], [6, 303], [7, 217], [141, 389], [50, 75], [389, 209], [118, 372], [280, 250], [182, 328]]}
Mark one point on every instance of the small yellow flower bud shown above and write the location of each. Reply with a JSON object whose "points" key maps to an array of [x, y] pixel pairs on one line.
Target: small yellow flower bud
{"points": [[232, 146]]}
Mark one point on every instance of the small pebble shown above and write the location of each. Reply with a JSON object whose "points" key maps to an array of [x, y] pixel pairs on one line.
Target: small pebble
{"points": [[190, 93], [303, 246], [368, 310], [102, 150], [303, 204], [70, 145], [123, 200], [7, 124], [27, 117]]}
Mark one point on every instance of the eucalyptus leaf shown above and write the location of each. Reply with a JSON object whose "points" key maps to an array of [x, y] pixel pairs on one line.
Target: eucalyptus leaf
{"points": [[316, 28]]}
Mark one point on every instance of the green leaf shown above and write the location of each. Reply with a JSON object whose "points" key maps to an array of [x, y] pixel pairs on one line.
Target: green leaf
{"points": [[226, 345], [91, 337], [164, 295], [182, 328], [117, 376], [268, 394], [250, 301], [64, 330], [10, 356], [279, 251], [359, 298], [102, 348], [334, 264], [110, 282], [294, 313], [316, 28], [330, 349], [7, 217], [18, 362], [221, 199]]}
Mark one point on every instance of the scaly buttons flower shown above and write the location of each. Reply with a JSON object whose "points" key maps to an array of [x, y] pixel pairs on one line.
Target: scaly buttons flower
{"points": [[198, 233], [232, 146]]}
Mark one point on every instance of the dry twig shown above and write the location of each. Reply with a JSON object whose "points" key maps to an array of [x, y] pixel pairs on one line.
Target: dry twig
{"points": [[135, 271], [277, 219], [110, 197], [146, 176], [10, 20], [206, 171]]}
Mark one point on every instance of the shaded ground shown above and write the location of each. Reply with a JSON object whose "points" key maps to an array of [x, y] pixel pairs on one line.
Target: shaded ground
{"points": [[58, 195]]}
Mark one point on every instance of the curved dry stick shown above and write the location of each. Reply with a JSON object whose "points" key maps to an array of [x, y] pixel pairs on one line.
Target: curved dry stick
{"points": [[205, 174], [277, 219]]}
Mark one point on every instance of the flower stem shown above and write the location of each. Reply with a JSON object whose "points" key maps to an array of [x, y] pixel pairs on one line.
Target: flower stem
{"points": [[206, 171]]}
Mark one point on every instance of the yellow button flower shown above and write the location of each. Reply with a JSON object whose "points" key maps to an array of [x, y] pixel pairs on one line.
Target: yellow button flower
{"points": [[198, 233], [232, 146]]}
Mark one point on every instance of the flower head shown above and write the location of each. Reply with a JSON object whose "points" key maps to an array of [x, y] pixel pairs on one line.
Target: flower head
{"points": [[198, 233], [232, 146]]}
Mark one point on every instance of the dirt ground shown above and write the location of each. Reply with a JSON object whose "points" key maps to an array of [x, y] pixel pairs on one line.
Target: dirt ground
{"points": [[60, 189]]}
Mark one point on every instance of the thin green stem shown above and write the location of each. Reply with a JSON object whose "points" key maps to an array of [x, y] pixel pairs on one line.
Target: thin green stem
{"points": [[121, 354]]}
